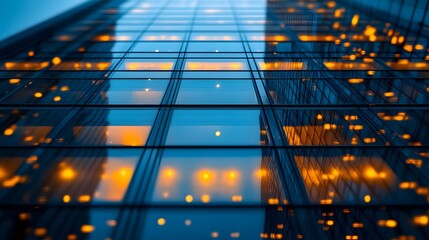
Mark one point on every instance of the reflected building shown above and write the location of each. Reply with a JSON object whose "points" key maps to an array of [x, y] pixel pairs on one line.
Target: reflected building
{"points": [[247, 119]]}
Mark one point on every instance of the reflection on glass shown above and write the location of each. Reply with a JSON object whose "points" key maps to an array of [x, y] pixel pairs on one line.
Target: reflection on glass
{"points": [[215, 176], [132, 92], [215, 127], [110, 127], [339, 94], [216, 92], [64, 176], [280, 66], [28, 127], [77, 66], [203, 223], [356, 176], [215, 47], [24, 66], [135, 65]]}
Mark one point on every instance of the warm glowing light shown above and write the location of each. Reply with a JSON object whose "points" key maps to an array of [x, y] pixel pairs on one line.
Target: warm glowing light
{"points": [[405, 65], [205, 198], [87, 228], [13, 181], [326, 201], [32, 159], [330, 222], [24, 216], [232, 174], [40, 232], [237, 198], [210, 66], [275, 38], [161, 221], [25, 65], [367, 198], [261, 173], [64, 89], [408, 47], [124, 135], [355, 20], [419, 47], [355, 80], [356, 127], [389, 94], [111, 223], [84, 198], [348, 157], [369, 31], [14, 81], [407, 185], [331, 4], [103, 38], [316, 38], [78, 66], [67, 174], [217, 133], [66, 198], [339, 12], [421, 220], [391, 223], [273, 201], [38, 95], [169, 173], [135, 66], [416, 162], [189, 198], [8, 131], [371, 173], [57, 98], [272, 66], [349, 65], [56, 60]]}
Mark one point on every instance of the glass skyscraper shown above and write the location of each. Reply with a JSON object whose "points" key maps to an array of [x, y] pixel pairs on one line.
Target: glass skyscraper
{"points": [[225, 119]]}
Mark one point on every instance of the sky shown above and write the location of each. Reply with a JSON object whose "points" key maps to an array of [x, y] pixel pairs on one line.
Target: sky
{"points": [[17, 16]]}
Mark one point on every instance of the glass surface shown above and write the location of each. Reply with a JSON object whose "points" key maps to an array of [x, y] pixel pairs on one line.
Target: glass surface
{"points": [[125, 127], [226, 119], [216, 92], [68, 176], [215, 127], [215, 47], [29, 126], [216, 176], [131, 92]]}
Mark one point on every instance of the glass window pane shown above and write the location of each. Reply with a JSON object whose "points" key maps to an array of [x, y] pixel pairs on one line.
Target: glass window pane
{"points": [[126, 127], [131, 92], [215, 127], [70, 175], [216, 92], [216, 176]]}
